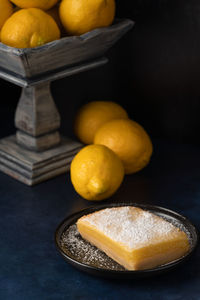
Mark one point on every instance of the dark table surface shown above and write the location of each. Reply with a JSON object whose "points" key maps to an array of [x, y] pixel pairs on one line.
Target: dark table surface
{"points": [[32, 268]]}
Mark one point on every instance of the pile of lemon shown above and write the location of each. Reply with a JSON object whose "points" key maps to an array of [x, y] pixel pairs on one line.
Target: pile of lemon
{"points": [[32, 23], [117, 146]]}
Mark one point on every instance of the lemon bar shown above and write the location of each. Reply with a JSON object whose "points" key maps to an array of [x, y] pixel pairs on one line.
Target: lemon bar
{"points": [[133, 237]]}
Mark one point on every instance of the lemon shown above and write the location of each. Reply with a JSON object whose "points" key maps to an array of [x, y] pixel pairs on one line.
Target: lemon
{"points": [[128, 140], [6, 11], [43, 4], [93, 115], [29, 27], [80, 16], [96, 172]]}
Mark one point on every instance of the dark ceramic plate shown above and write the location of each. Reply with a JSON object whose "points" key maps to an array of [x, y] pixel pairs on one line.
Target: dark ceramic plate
{"points": [[88, 258]]}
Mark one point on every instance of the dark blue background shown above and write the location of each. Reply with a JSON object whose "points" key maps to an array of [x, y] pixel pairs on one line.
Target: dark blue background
{"points": [[32, 268]]}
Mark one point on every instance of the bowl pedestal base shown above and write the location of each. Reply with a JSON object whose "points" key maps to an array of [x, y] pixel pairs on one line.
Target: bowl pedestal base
{"points": [[31, 167], [37, 152]]}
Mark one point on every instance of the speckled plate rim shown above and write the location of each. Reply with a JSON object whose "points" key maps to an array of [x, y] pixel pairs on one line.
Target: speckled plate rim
{"points": [[71, 219]]}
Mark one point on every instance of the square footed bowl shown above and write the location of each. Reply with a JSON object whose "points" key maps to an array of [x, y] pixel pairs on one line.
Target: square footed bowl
{"points": [[60, 54]]}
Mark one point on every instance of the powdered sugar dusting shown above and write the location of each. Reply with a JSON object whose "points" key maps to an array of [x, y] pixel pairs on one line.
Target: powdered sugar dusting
{"points": [[73, 244], [131, 226]]}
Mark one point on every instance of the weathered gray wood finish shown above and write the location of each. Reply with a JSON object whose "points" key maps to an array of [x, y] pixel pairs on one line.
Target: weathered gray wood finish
{"points": [[37, 152], [62, 53], [32, 167], [69, 71], [37, 118], [36, 113]]}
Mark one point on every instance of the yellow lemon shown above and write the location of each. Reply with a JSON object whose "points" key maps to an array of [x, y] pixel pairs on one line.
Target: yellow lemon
{"points": [[93, 115], [43, 4], [6, 11], [29, 27], [96, 172], [129, 141], [80, 16]]}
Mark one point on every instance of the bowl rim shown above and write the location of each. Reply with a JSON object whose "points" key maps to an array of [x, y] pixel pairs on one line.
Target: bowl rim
{"points": [[123, 22]]}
